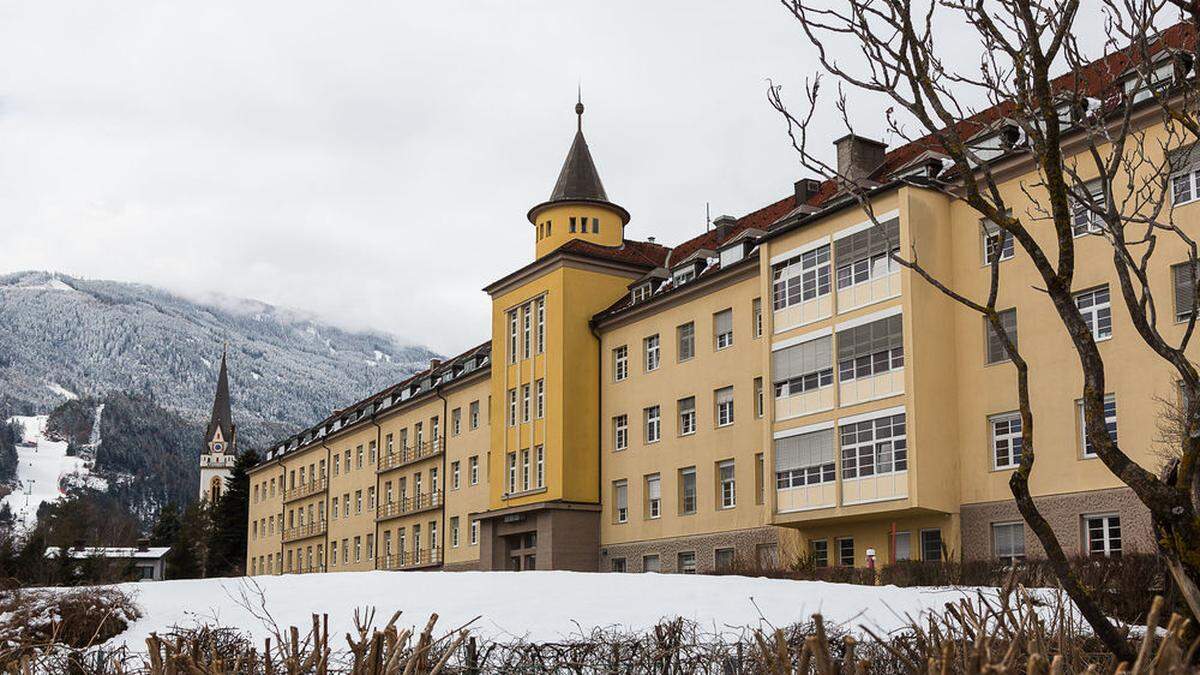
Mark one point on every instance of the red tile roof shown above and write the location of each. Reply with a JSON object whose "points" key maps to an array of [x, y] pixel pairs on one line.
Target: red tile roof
{"points": [[645, 253]]}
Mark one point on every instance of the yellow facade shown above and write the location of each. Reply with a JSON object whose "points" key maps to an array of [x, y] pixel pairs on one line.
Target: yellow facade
{"points": [[773, 388]]}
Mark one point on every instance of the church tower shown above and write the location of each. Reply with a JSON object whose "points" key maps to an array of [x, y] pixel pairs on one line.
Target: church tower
{"points": [[220, 443], [578, 207]]}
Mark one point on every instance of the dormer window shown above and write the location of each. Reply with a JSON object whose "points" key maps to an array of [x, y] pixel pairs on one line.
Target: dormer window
{"points": [[682, 276], [1172, 68], [641, 293]]}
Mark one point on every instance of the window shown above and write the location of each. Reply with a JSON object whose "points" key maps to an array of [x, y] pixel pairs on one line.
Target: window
{"points": [[756, 318], [1006, 441], [759, 404], [650, 347], [995, 349], [992, 238], [687, 416], [541, 325], [1184, 276], [802, 278], [357, 549], [571, 226], [621, 501], [454, 532], [682, 276], [473, 470], [728, 488], [511, 467], [539, 467], [371, 498], [931, 545], [686, 335], [512, 336], [540, 410], [474, 532], [652, 421], [640, 293], [846, 551], [620, 432], [512, 407], [525, 402], [620, 363], [870, 349], [653, 496], [1110, 423], [723, 398], [687, 562], [1103, 534], [1096, 311], [867, 255], [455, 422], [804, 459], [526, 474], [723, 329], [723, 559], [454, 475], [1185, 174], [526, 334], [474, 415], [1008, 542], [806, 367], [1084, 220], [650, 564], [358, 457], [687, 490], [760, 486], [874, 447], [618, 565]]}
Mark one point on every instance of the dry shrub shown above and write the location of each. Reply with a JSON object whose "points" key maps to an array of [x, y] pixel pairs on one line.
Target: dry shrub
{"points": [[34, 622]]}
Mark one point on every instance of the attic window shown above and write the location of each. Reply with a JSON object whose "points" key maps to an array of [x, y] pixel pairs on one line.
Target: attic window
{"points": [[1141, 86], [641, 293], [684, 275]]}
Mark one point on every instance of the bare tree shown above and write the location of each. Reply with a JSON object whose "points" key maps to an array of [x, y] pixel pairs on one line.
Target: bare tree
{"points": [[1097, 136]]}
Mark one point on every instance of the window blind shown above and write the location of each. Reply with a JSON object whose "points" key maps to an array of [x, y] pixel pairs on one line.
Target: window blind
{"points": [[995, 349], [871, 338], [723, 322], [1184, 158], [687, 405], [810, 449], [797, 360], [654, 488], [870, 242], [1185, 288], [725, 395], [622, 496]]}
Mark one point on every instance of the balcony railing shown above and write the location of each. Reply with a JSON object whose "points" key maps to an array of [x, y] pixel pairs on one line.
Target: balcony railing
{"points": [[408, 455], [305, 490], [407, 505], [411, 559], [305, 531]]}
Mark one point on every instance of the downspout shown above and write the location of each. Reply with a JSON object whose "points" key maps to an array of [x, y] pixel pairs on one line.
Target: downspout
{"points": [[599, 418], [328, 487], [375, 527], [445, 425]]}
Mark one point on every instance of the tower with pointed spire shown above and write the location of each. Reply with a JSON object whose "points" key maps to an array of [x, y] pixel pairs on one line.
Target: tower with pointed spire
{"points": [[578, 207], [220, 442]]}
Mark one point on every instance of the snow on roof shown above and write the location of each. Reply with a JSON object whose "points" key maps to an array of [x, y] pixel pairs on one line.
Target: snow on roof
{"points": [[151, 552]]}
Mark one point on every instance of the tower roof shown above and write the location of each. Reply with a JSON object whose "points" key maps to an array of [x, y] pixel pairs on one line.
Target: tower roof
{"points": [[578, 180], [221, 417]]}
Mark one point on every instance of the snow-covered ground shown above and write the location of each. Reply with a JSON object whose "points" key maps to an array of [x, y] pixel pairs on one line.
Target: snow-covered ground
{"points": [[41, 470], [526, 605]]}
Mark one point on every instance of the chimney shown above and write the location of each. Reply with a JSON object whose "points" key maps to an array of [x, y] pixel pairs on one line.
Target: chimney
{"points": [[434, 363], [806, 189], [723, 226], [143, 545], [650, 239], [858, 157]]}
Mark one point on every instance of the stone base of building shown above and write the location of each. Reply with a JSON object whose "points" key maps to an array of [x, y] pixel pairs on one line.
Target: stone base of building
{"points": [[546, 536], [751, 548], [1065, 513], [464, 566]]}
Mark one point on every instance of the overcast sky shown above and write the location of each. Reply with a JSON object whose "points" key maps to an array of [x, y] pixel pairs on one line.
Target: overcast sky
{"points": [[373, 162]]}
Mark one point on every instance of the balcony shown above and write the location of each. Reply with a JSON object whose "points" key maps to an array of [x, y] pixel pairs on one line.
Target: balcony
{"points": [[305, 490], [411, 560], [408, 455], [304, 531], [407, 505]]}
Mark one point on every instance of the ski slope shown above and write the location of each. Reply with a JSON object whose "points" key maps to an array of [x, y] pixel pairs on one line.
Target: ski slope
{"points": [[41, 471]]}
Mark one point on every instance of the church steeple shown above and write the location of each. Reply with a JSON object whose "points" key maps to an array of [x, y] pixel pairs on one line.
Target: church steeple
{"points": [[220, 436], [578, 207]]}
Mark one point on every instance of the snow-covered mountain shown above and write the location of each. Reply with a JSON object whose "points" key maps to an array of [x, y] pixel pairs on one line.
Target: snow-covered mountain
{"points": [[62, 337]]}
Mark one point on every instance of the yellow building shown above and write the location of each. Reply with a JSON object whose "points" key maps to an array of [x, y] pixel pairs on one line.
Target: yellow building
{"points": [[775, 386]]}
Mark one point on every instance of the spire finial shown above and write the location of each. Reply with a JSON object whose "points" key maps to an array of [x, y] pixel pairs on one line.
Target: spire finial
{"points": [[579, 105]]}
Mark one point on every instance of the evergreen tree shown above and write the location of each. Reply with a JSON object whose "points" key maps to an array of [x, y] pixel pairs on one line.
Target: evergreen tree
{"points": [[184, 560], [227, 545], [167, 528]]}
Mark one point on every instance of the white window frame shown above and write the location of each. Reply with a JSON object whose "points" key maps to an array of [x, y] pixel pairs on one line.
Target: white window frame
{"points": [[1012, 557], [893, 448], [620, 432], [1097, 312], [989, 234], [725, 416], [728, 483], [473, 469], [620, 363], [512, 407], [622, 514], [526, 395], [1107, 522], [1110, 420], [512, 335], [541, 325], [539, 464], [651, 347], [1005, 433], [723, 340], [1191, 176], [652, 421], [653, 504], [808, 274], [540, 411]]}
